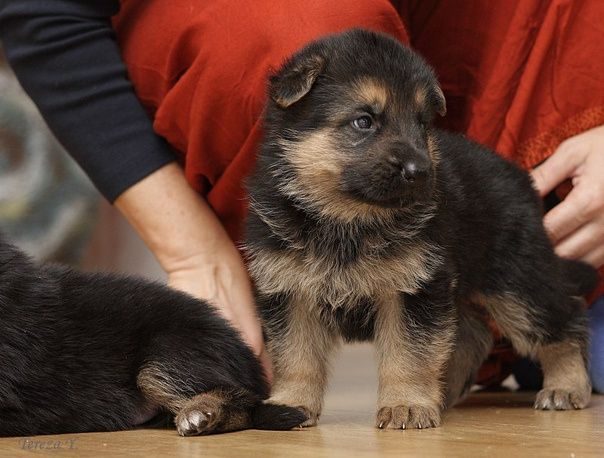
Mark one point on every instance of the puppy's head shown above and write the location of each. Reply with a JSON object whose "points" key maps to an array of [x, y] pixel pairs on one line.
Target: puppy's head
{"points": [[350, 117]]}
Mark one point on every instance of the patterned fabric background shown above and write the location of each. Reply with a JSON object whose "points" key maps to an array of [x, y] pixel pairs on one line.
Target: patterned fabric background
{"points": [[47, 205]]}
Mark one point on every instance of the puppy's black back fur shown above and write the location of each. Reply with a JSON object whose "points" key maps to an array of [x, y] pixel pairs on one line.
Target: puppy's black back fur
{"points": [[491, 220], [72, 346]]}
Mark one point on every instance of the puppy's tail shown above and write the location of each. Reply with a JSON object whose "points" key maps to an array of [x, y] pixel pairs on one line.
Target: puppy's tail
{"points": [[277, 417], [580, 278]]}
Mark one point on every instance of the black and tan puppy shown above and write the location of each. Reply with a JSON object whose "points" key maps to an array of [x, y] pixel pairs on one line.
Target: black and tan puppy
{"points": [[98, 352], [368, 223]]}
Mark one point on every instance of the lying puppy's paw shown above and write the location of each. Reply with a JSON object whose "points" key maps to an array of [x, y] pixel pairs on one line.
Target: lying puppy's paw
{"points": [[191, 422], [560, 399], [311, 417], [404, 417], [308, 417], [309, 406], [303, 415], [277, 417]]}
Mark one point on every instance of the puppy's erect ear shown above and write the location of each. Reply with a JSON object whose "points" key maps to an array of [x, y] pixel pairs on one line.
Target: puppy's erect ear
{"points": [[295, 79], [439, 100]]}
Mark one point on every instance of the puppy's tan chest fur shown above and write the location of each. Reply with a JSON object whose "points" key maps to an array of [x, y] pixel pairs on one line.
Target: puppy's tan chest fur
{"points": [[319, 278]]}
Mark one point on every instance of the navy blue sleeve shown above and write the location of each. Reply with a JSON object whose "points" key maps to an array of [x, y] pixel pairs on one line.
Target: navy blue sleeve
{"points": [[65, 56]]}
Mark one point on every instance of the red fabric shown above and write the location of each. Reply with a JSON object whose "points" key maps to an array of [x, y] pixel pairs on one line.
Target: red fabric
{"points": [[520, 75]]}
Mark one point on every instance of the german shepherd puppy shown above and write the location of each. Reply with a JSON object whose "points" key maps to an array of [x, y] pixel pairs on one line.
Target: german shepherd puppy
{"points": [[100, 352], [366, 223]]}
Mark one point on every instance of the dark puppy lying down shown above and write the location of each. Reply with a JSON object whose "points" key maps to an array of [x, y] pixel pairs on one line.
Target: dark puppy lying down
{"points": [[368, 223], [100, 352]]}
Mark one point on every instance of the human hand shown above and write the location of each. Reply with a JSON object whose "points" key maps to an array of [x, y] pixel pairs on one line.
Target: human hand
{"points": [[219, 276], [192, 246], [576, 225]]}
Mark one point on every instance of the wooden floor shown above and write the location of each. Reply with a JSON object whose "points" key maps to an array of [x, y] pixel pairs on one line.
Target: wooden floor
{"points": [[490, 425]]}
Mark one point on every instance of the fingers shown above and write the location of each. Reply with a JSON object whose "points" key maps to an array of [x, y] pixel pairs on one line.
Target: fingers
{"points": [[584, 244], [252, 332], [559, 166], [265, 361], [567, 216], [595, 257], [248, 325], [576, 225], [252, 335], [228, 289]]}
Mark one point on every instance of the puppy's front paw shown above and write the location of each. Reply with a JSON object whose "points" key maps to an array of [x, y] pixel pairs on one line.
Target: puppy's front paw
{"points": [[408, 416], [560, 399], [191, 422]]}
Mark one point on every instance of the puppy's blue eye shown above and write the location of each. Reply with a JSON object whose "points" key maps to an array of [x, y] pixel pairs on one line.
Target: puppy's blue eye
{"points": [[364, 122]]}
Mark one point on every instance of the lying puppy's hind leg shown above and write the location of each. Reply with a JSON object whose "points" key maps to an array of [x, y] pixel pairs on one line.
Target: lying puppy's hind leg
{"points": [[218, 410], [196, 412]]}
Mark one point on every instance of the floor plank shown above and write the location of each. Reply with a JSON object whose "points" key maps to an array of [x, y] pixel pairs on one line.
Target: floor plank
{"points": [[493, 424]]}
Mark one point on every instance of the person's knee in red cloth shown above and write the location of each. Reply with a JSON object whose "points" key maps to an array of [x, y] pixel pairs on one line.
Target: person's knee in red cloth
{"points": [[201, 70]]}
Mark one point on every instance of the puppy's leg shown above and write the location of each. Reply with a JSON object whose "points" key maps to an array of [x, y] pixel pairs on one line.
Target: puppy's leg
{"points": [[472, 345], [213, 411], [553, 331], [566, 383], [414, 339], [300, 345]]}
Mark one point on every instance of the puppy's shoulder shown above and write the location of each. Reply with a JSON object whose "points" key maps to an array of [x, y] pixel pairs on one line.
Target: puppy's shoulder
{"points": [[478, 167], [456, 147]]}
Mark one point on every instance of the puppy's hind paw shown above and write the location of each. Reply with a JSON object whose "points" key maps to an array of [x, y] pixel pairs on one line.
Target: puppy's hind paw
{"points": [[193, 422], [559, 399], [407, 417]]}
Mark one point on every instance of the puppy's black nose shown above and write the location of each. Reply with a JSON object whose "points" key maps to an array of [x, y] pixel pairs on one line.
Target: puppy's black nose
{"points": [[411, 168]]}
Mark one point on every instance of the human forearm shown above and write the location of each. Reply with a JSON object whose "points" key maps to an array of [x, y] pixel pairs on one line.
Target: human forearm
{"points": [[173, 220], [65, 56]]}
